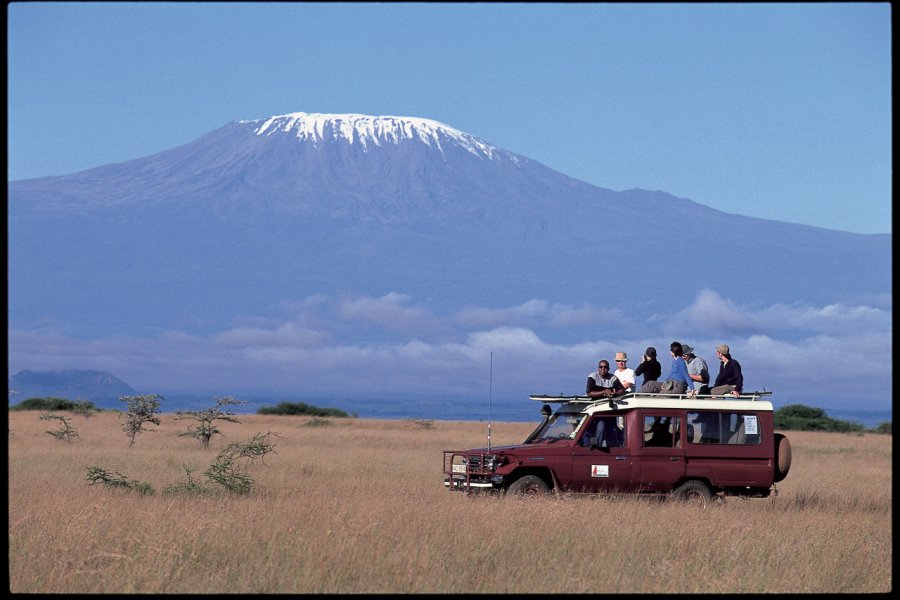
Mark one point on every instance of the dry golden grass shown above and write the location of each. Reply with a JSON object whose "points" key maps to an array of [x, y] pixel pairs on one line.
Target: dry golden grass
{"points": [[359, 507]]}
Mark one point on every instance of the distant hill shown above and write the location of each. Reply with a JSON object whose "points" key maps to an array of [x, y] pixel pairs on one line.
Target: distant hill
{"points": [[103, 389]]}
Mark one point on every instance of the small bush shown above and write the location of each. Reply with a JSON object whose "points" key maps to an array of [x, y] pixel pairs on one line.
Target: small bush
{"points": [[798, 417], [226, 471], [84, 408], [884, 427], [206, 427], [300, 408], [189, 487], [52, 404], [117, 480], [141, 410], [65, 432]]}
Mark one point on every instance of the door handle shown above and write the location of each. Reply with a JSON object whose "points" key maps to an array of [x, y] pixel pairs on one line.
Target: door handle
{"points": [[675, 458]]}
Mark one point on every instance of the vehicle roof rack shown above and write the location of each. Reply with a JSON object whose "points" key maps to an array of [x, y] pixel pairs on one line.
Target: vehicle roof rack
{"points": [[567, 399]]}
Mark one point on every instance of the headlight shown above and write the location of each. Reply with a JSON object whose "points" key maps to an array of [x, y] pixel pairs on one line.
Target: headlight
{"points": [[491, 462]]}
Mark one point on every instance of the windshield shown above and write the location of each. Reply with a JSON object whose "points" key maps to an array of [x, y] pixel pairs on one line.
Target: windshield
{"points": [[561, 425]]}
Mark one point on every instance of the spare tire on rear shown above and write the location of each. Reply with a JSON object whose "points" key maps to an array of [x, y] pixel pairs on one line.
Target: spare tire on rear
{"points": [[782, 456]]}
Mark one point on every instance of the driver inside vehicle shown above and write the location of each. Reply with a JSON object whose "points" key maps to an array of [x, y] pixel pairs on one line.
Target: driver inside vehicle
{"points": [[603, 432]]}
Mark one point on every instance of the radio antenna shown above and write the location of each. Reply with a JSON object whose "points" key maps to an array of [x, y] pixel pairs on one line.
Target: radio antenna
{"points": [[490, 397]]}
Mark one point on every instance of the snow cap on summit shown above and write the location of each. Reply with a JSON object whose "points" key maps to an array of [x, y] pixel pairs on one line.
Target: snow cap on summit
{"points": [[366, 129]]}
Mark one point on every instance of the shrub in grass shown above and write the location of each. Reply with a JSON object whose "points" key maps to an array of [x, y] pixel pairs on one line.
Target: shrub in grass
{"points": [[117, 480], [227, 470], [66, 431], [141, 410], [206, 426], [300, 408]]}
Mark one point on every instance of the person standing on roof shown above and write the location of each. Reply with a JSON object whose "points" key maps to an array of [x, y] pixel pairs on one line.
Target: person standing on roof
{"points": [[678, 381], [697, 369], [730, 379], [603, 384], [649, 367], [623, 373]]}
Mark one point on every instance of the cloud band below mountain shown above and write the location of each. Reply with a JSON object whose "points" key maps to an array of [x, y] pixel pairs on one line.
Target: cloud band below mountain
{"points": [[821, 356]]}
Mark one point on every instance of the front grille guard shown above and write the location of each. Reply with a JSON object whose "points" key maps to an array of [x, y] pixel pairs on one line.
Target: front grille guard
{"points": [[474, 465]]}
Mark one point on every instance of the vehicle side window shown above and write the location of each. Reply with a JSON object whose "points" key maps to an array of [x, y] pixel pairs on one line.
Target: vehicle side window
{"points": [[718, 427], [604, 432], [662, 432]]}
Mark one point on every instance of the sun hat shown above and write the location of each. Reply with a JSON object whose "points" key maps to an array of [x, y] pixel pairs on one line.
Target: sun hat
{"points": [[621, 356], [723, 349], [685, 349]]}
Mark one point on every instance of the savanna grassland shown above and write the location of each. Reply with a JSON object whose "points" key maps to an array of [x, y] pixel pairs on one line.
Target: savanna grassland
{"points": [[358, 506]]}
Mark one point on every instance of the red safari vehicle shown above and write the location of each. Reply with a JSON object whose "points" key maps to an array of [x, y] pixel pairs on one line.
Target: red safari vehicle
{"points": [[688, 447]]}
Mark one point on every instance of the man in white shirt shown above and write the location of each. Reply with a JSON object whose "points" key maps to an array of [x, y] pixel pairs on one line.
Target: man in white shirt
{"points": [[623, 373]]}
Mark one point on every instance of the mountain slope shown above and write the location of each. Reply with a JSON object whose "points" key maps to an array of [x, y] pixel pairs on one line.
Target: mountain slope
{"points": [[104, 389], [257, 212]]}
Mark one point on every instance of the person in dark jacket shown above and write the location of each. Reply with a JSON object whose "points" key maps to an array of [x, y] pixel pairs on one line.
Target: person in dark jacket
{"points": [[649, 367], [678, 381], [730, 380], [603, 384]]}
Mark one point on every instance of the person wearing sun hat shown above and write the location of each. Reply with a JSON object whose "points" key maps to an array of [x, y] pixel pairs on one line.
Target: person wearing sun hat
{"points": [[730, 379], [623, 373]]}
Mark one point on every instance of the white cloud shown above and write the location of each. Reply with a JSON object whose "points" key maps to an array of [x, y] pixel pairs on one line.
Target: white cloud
{"points": [[835, 353], [285, 334], [479, 316], [389, 311], [540, 313], [710, 314]]}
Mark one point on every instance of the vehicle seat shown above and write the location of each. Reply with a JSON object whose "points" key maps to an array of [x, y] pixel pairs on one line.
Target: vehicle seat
{"points": [[660, 436], [739, 436]]}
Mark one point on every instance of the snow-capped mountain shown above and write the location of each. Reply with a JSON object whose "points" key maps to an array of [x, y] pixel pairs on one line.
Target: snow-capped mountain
{"points": [[370, 168], [366, 130], [287, 206]]}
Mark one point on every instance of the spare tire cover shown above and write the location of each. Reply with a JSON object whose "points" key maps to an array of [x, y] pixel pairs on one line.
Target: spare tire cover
{"points": [[782, 456]]}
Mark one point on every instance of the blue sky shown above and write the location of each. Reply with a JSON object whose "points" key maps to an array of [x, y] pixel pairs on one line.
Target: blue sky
{"points": [[780, 111]]}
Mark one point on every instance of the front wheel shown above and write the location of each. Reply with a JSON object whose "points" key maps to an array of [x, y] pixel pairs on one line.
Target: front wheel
{"points": [[693, 492], [529, 486]]}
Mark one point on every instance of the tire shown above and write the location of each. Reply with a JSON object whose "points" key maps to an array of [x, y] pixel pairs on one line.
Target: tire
{"points": [[693, 492], [783, 457], [529, 486]]}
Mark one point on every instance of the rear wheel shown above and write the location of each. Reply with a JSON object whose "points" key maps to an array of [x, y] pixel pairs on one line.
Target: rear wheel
{"points": [[529, 486], [693, 492]]}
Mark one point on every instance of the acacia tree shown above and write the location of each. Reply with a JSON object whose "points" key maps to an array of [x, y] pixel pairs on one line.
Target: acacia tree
{"points": [[227, 470], [141, 409], [65, 432], [206, 427], [85, 408]]}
